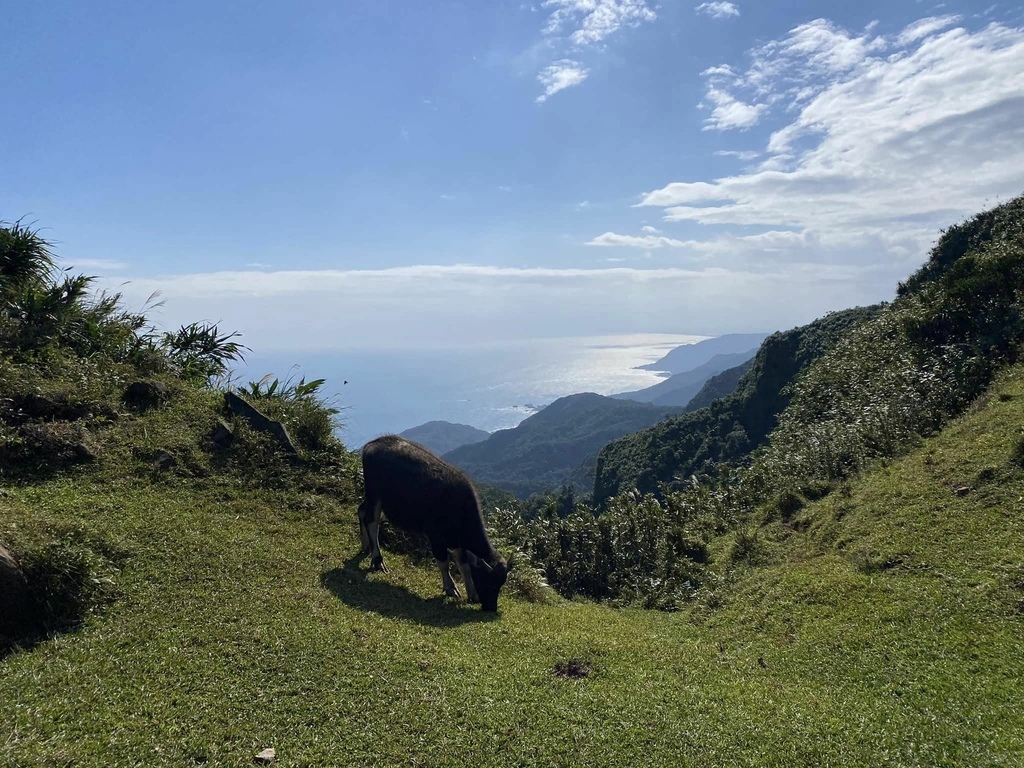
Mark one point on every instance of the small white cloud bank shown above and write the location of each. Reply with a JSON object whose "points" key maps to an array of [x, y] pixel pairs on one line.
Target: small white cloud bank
{"points": [[559, 76], [408, 307], [576, 25], [718, 10]]}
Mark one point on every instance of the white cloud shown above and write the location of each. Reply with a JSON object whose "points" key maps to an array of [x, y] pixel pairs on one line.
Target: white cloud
{"points": [[579, 24], [747, 154], [582, 205], [559, 76], [633, 241], [895, 140], [718, 10], [104, 264], [650, 230], [729, 112], [592, 21], [925, 27]]}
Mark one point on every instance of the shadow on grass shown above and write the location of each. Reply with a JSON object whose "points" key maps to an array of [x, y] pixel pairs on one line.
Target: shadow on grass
{"points": [[350, 584]]}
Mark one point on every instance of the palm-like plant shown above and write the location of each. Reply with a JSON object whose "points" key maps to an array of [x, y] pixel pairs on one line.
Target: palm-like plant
{"points": [[25, 258]]}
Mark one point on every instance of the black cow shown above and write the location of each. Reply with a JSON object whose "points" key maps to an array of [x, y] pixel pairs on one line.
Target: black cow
{"points": [[423, 493]]}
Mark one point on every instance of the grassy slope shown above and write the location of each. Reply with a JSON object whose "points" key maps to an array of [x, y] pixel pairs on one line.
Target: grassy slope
{"points": [[889, 630]]}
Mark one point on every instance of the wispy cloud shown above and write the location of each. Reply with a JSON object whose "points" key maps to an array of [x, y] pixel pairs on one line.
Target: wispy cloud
{"points": [[925, 27], [100, 264], [729, 112], [591, 21], [718, 10], [746, 154], [576, 25], [633, 241], [650, 230], [559, 76], [887, 138]]}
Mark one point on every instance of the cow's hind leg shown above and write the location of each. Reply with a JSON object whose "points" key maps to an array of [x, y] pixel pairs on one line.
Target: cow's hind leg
{"points": [[364, 535], [441, 558], [369, 520]]}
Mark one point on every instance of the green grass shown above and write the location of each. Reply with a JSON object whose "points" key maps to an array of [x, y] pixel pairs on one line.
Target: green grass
{"points": [[883, 629]]}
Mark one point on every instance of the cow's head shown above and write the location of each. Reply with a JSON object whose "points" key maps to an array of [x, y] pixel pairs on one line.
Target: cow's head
{"points": [[488, 578]]}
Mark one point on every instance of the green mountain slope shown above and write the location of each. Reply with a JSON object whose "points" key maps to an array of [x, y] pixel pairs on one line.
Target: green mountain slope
{"points": [[721, 385], [545, 449], [680, 388], [730, 427], [444, 436]]}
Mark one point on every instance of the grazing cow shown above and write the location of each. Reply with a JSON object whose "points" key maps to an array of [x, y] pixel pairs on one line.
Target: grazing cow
{"points": [[423, 493]]}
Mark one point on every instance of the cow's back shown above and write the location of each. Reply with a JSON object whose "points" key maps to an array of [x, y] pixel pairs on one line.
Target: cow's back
{"points": [[417, 489]]}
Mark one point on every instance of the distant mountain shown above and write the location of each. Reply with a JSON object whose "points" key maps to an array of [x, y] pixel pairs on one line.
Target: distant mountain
{"points": [[690, 356], [557, 445], [680, 388], [443, 436]]}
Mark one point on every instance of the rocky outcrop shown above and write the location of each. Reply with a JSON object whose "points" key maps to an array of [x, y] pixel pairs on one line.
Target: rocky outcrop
{"points": [[259, 421], [144, 395]]}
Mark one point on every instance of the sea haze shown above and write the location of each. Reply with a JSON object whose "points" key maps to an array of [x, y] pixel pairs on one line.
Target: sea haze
{"points": [[490, 387]]}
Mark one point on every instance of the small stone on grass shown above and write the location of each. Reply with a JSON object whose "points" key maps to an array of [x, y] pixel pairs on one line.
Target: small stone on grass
{"points": [[266, 757]]}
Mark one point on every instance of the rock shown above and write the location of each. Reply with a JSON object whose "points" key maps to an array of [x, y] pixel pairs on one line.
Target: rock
{"points": [[266, 757], [259, 421], [963, 491], [146, 394], [86, 450], [221, 436], [15, 605], [163, 461], [39, 407]]}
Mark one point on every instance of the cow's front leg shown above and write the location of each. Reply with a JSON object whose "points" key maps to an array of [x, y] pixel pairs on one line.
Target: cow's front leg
{"points": [[467, 577]]}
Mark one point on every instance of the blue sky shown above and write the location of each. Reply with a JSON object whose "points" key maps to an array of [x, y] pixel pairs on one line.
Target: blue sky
{"points": [[389, 173]]}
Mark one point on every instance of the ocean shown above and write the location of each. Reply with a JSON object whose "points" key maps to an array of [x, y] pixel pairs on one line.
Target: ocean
{"points": [[490, 387]]}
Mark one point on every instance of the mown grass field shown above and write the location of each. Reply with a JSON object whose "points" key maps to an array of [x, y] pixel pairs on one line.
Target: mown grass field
{"points": [[884, 626]]}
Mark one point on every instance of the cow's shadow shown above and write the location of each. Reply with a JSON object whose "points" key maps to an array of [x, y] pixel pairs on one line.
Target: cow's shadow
{"points": [[351, 584]]}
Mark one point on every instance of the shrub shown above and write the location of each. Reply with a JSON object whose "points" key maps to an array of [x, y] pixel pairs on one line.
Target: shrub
{"points": [[70, 573]]}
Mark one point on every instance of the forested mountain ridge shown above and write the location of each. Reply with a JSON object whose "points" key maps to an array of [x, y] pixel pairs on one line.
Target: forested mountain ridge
{"points": [[546, 449], [730, 427]]}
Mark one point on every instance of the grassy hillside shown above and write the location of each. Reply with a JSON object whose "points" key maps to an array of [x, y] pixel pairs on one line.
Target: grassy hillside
{"points": [[730, 427], [547, 449], [879, 627]]}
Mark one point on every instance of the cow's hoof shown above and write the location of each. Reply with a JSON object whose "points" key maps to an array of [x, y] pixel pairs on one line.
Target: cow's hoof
{"points": [[377, 564], [452, 591]]}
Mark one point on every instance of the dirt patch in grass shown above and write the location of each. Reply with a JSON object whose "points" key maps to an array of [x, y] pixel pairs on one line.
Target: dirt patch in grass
{"points": [[573, 669]]}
